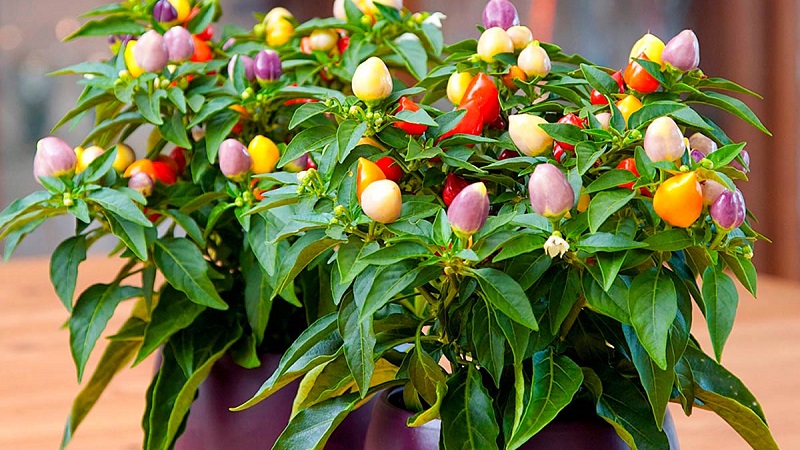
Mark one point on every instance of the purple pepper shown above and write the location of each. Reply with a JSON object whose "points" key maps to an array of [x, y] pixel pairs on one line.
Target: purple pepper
{"points": [[500, 13], [164, 12], [180, 45], [267, 65], [728, 210], [551, 194], [234, 160], [711, 191], [249, 71], [469, 210], [54, 158], [697, 155], [151, 52], [682, 51], [141, 182], [738, 166], [703, 143]]}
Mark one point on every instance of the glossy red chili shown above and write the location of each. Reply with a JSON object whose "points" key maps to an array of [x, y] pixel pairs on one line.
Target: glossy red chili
{"points": [[206, 34], [471, 123], [390, 168], [638, 79], [452, 186], [343, 43], [559, 153], [507, 154], [596, 98], [629, 164], [414, 129], [482, 91], [570, 119]]}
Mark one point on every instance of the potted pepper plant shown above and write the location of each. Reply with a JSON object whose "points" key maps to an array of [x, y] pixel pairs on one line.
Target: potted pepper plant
{"points": [[536, 257], [212, 296]]}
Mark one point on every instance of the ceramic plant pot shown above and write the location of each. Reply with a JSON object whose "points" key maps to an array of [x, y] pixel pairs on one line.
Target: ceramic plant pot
{"points": [[573, 431], [211, 426]]}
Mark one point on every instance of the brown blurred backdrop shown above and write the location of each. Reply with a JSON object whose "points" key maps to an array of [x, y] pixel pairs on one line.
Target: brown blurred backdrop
{"points": [[748, 41]]}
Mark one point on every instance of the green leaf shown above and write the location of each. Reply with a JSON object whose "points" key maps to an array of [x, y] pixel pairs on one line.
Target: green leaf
{"points": [[669, 240], [426, 375], [310, 428], [64, 267], [653, 307], [98, 168], [218, 128], [413, 54], [94, 308], [725, 154], [120, 204], [419, 116], [607, 242], [611, 179], [624, 407], [468, 420], [723, 84], [744, 270], [392, 254], [556, 380], [173, 313], [130, 233], [115, 24], [174, 131], [390, 281], [210, 108], [185, 268], [117, 356], [721, 300], [731, 105], [200, 21], [188, 224], [606, 203], [600, 80], [505, 294], [564, 292], [347, 137], [177, 98], [305, 112], [652, 111], [359, 344], [22, 205], [149, 105], [612, 302], [657, 382], [488, 339], [563, 132], [300, 254], [306, 141], [741, 418]]}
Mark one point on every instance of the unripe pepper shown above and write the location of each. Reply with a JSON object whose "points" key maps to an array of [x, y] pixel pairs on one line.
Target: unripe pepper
{"points": [[683, 51], [298, 165], [728, 211], [483, 93], [500, 13], [520, 35], [452, 186], [86, 156], [604, 119], [628, 105], [711, 191], [414, 129], [550, 193], [679, 200], [267, 66], [663, 140], [382, 201], [180, 45], [638, 79], [457, 86], [649, 45], [125, 157], [390, 169], [264, 153], [534, 60], [130, 61], [367, 172], [526, 134], [234, 160], [570, 119], [372, 81], [142, 183], [701, 143], [249, 66], [492, 42], [596, 98], [468, 211], [323, 40], [514, 73], [54, 158], [151, 52]]}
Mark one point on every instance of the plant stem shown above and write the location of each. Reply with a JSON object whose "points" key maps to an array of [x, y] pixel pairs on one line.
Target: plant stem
{"points": [[571, 318]]}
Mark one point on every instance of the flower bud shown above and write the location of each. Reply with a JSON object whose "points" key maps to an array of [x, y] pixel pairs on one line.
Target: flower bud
{"points": [[500, 13], [534, 60], [469, 210], [151, 52], [125, 157], [663, 140], [728, 210], [54, 158], [164, 12], [682, 51], [551, 194], [141, 182], [382, 201], [323, 40], [527, 135], [234, 160], [249, 69], [457, 86], [494, 41], [520, 35], [372, 81], [711, 190], [267, 65], [738, 166], [180, 45], [651, 46]]}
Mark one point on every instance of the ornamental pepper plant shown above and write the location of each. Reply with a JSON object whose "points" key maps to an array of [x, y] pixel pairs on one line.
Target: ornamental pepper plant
{"points": [[498, 227]]}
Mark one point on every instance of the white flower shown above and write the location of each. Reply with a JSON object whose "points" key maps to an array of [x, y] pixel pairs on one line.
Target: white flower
{"points": [[556, 245], [302, 175], [435, 19]]}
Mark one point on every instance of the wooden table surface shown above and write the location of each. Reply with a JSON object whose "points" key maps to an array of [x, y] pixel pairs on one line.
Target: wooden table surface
{"points": [[37, 376]]}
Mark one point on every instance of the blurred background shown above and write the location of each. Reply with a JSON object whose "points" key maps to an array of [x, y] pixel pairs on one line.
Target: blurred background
{"points": [[751, 42]]}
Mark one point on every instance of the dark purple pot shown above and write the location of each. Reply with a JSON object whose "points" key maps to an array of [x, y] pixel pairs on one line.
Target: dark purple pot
{"points": [[211, 426], [388, 431]]}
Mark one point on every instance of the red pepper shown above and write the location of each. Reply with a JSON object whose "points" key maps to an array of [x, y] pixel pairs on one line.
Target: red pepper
{"points": [[202, 52], [305, 45], [342, 44], [483, 92], [178, 155], [470, 124], [639, 79], [414, 129], [599, 99], [570, 119], [206, 34], [164, 172], [559, 153], [506, 154], [452, 186], [390, 168], [629, 164]]}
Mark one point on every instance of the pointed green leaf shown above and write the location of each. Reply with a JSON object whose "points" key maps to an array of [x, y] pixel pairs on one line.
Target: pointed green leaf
{"points": [[468, 420], [64, 267], [653, 307], [173, 313], [721, 300], [506, 295], [359, 344], [185, 268]]}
